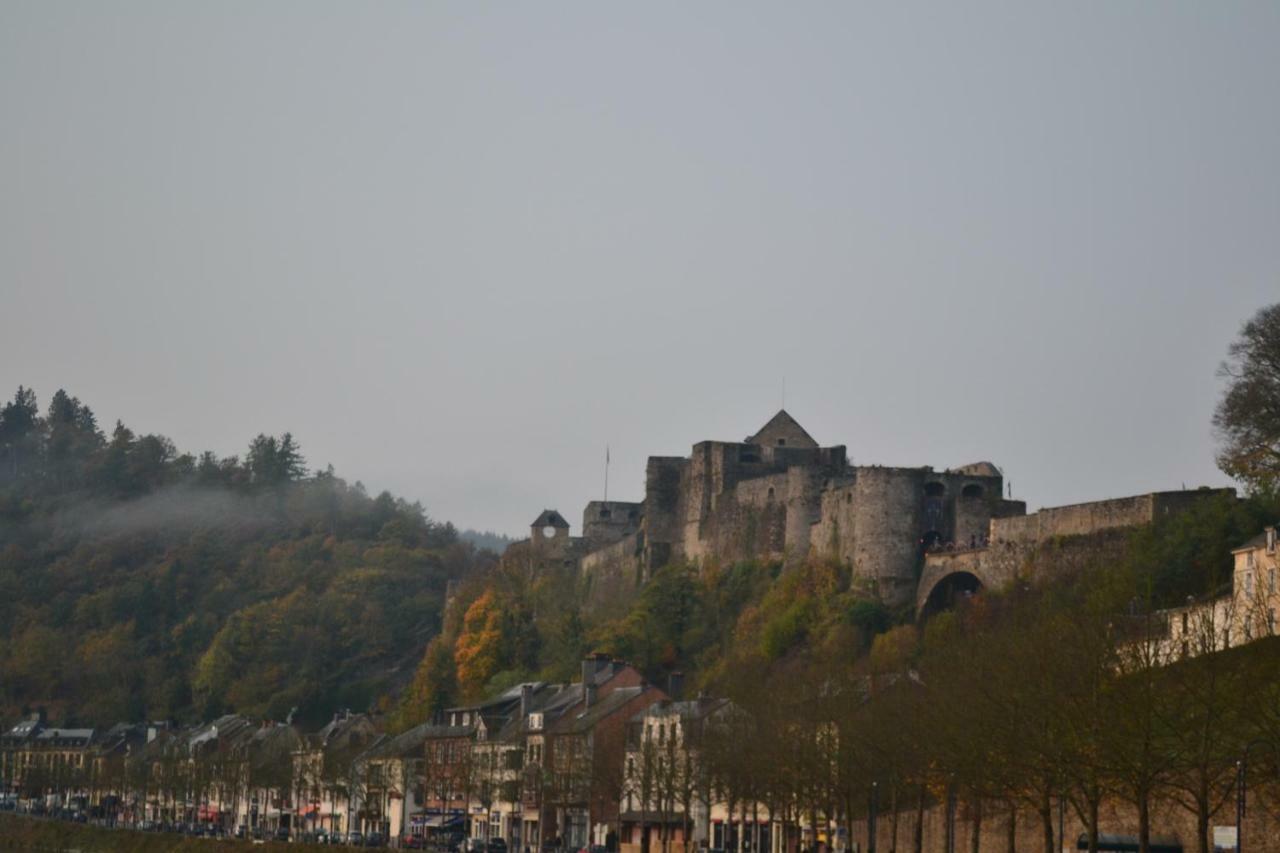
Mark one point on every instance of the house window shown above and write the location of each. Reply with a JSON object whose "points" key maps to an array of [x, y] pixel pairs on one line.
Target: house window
{"points": [[782, 442], [934, 490], [1271, 581], [973, 490], [604, 513], [1184, 622], [1271, 620], [770, 497], [1248, 583]]}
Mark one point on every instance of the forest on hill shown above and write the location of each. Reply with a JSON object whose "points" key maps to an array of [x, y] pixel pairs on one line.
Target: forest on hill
{"points": [[140, 582]]}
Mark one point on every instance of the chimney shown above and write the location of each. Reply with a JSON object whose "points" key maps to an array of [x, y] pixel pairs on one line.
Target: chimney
{"points": [[526, 696], [588, 694], [675, 685]]}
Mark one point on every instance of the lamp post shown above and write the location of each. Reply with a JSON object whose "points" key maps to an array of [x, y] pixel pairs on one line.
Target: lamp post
{"points": [[1242, 767], [1240, 803], [871, 817]]}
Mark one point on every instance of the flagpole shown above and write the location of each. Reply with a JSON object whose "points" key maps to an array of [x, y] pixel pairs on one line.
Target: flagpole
{"points": [[606, 473]]}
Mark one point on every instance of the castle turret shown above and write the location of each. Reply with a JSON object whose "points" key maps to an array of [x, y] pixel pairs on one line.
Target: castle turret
{"points": [[549, 533]]}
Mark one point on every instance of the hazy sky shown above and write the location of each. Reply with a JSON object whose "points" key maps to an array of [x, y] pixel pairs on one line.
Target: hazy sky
{"points": [[458, 248]]}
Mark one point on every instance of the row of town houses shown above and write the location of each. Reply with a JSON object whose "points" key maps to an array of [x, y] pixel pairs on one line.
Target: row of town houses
{"points": [[610, 760]]}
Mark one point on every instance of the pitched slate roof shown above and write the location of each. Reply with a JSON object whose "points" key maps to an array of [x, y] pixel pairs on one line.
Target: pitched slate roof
{"points": [[550, 518], [611, 703], [782, 423], [1259, 541]]}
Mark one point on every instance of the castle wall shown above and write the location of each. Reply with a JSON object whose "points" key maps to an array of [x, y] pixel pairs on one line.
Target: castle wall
{"points": [[832, 535], [804, 509], [1073, 520], [994, 567], [615, 572], [887, 524], [973, 512], [744, 500], [664, 495], [608, 521], [1085, 518], [1057, 540], [877, 519], [1167, 817]]}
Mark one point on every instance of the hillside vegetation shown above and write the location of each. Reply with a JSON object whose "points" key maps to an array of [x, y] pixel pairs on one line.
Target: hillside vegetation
{"points": [[708, 624], [140, 582]]}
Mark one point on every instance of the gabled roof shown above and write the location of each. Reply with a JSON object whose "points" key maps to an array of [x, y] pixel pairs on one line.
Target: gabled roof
{"points": [[611, 704], [783, 426], [1259, 541], [550, 518]]}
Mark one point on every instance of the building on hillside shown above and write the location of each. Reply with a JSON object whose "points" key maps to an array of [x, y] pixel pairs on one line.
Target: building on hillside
{"points": [[1244, 613], [908, 535], [775, 495]]}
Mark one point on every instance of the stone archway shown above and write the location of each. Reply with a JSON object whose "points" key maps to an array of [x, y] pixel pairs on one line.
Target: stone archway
{"points": [[946, 591]]}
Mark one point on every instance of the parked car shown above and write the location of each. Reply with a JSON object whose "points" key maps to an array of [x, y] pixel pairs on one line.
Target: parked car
{"points": [[281, 834], [413, 842], [496, 845], [355, 838]]}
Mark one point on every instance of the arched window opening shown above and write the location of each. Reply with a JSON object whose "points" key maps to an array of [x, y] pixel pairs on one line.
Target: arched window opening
{"points": [[934, 490], [973, 490]]}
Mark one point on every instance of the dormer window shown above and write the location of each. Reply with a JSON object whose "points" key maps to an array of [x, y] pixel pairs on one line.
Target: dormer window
{"points": [[1271, 540]]}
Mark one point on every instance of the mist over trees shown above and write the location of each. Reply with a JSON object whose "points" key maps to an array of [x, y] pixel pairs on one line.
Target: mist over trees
{"points": [[138, 581]]}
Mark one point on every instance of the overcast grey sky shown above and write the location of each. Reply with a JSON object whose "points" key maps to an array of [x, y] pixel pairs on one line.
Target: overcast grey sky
{"points": [[458, 248]]}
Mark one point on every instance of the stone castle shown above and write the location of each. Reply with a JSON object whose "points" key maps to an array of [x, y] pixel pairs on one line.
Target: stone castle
{"points": [[906, 533]]}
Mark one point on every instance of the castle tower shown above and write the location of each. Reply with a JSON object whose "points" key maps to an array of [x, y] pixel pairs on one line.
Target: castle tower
{"points": [[549, 533]]}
